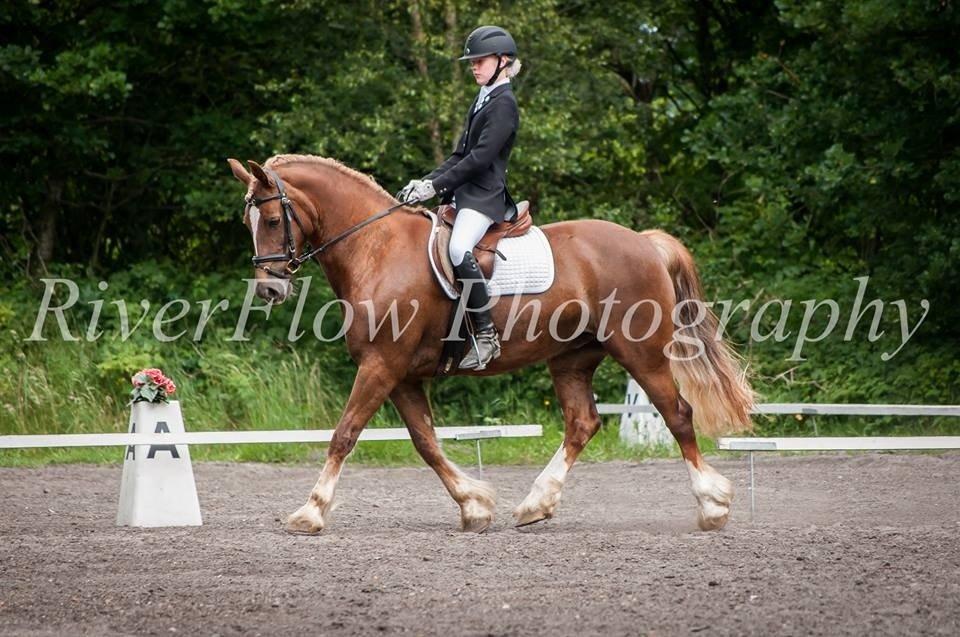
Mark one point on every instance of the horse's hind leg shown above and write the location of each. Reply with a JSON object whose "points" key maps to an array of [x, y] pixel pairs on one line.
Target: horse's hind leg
{"points": [[475, 497], [712, 491], [572, 374]]}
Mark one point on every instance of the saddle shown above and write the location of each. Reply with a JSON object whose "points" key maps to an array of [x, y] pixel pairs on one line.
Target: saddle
{"points": [[486, 250]]}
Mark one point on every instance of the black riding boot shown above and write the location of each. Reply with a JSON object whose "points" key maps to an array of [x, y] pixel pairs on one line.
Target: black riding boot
{"points": [[487, 342]]}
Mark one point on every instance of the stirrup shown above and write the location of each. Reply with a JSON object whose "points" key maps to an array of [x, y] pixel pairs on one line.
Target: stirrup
{"points": [[477, 358]]}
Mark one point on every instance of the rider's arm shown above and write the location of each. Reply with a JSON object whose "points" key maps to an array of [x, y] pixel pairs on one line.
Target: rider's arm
{"points": [[452, 160]]}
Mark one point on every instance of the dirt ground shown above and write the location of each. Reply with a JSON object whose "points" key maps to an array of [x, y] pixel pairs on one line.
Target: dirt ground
{"points": [[862, 545]]}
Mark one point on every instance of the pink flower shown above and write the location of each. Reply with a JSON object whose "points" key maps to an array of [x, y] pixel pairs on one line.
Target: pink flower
{"points": [[153, 377]]}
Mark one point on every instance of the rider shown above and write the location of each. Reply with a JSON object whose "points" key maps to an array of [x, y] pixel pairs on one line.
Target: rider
{"points": [[474, 177]]}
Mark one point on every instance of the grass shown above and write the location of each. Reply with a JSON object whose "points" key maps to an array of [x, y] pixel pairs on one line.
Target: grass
{"points": [[82, 387]]}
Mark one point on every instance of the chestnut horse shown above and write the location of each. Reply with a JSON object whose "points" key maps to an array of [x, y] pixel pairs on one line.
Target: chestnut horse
{"points": [[650, 274]]}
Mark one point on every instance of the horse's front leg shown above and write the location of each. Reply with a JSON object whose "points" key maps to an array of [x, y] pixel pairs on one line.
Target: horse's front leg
{"points": [[372, 385], [475, 497]]}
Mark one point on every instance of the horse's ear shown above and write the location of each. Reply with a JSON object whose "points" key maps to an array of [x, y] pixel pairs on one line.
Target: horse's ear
{"points": [[257, 171], [239, 171]]}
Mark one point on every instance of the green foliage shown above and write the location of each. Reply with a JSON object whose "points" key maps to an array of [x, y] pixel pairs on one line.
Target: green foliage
{"points": [[792, 145]]}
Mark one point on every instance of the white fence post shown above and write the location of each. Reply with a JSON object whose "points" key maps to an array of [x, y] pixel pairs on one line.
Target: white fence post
{"points": [[646, 429]]}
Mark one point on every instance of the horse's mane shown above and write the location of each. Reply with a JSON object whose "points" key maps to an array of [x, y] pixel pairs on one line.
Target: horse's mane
{"points": [[356, 175]]}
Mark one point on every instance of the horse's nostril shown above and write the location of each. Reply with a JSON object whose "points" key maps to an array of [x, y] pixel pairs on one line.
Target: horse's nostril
{"points": [[269, 292]]}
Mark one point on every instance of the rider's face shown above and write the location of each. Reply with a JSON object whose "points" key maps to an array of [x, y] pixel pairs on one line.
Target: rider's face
{"points": [[484, 68]]}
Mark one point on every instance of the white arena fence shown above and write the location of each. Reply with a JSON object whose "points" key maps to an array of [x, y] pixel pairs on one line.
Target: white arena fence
{"points": [[246, 437], [822, 443], [477, 433]]}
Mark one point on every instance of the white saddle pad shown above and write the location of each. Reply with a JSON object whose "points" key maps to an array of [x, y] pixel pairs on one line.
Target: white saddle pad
{"points": [[528, 267]]}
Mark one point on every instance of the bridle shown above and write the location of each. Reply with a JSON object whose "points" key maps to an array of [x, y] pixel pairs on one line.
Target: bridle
{"points": [[295, 261]]}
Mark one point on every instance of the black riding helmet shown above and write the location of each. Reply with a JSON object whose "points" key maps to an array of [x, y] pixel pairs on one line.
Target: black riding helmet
{"points": [[490, 40]]}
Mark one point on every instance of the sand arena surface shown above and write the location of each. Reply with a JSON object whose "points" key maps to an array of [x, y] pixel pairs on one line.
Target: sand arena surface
{"points": [[866, 544]]}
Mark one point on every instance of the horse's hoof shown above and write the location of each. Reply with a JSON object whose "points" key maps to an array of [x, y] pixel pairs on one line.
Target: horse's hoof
{"points": [[528, 517], [476, 525], [476, 515], [290, 531], [714, 494], [713, 523], [307, 520]]}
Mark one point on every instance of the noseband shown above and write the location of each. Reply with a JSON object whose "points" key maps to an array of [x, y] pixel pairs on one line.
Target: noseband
{"points": [[294, 261]]}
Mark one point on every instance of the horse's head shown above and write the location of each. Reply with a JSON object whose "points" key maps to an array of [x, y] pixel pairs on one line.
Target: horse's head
{"points": [[279, 222]]}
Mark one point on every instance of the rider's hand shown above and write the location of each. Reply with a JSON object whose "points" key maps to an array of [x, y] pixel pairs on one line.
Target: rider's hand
{"points": [[406, 193], [424, 191]]}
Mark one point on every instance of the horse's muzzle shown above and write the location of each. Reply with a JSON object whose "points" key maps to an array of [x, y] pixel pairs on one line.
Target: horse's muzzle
{"points": [[273, 290]]}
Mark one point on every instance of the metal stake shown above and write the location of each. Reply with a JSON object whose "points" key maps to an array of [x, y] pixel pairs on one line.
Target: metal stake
{"points": [[479, 457], [753, 500]]}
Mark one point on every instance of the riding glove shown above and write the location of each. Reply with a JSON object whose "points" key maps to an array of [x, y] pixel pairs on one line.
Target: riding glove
{"points": [[424, 191], [405, 194]]}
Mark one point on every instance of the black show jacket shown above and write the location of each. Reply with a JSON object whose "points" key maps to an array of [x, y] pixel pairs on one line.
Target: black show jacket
{"points": [[476, 172]]}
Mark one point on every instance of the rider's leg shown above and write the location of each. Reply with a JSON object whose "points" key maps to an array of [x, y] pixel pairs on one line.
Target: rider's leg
{"points": [[468, 229]]}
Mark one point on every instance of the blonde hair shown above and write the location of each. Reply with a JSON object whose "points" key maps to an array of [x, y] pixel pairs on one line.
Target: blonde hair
{"points": [[514, 69]]}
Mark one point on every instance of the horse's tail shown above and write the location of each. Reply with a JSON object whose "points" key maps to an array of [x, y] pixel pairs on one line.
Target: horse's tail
{"points": [[710, 373]]}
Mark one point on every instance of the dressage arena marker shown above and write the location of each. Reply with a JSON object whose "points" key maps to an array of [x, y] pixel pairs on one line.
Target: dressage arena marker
{"points": [[829, 443], [157, 487]]}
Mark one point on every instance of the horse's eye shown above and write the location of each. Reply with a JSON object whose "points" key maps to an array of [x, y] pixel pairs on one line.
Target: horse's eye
{"points": [[273, 223]]}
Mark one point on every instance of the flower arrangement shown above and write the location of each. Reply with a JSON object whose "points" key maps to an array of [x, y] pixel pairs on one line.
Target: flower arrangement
{"points": [[150, 385]]}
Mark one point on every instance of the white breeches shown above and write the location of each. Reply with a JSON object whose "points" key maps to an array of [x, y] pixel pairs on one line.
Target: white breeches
{"points": [[468, 228]]}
